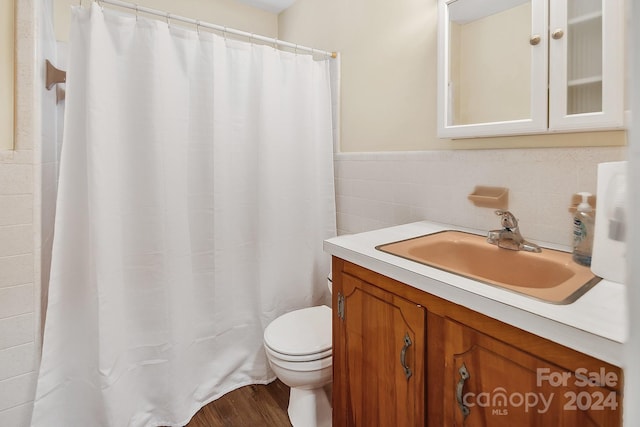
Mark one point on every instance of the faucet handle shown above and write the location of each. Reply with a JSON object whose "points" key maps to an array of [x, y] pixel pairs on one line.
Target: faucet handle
{"points": [[507, 219]]}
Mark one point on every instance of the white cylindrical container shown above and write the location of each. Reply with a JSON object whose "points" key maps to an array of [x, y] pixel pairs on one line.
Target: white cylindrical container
{"points": [[609, 259]]}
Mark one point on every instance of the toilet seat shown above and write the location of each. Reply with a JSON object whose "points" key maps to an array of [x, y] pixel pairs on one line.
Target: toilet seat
{"points": [[301, 335], [297, 359], [300, 365]]}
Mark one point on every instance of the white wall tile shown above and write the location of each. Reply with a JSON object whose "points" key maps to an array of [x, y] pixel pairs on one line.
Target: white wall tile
{"points": [[18, 416], [16, 240], [17, 391], [19, 229], [16, 209], [16, 300], [379, 189], [16, 270], [18, 360], [16, 179], [16, 330], [17, 157]]}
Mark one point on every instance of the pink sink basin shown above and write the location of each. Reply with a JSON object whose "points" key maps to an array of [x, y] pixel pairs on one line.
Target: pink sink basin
{"points": [[550, 275]]}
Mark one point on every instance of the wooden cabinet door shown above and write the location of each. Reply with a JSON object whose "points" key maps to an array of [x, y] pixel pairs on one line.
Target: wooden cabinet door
{"points": [[379, 354], [491, 384]]}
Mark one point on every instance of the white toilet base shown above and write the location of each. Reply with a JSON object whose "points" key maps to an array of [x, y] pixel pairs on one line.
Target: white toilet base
{"points": [[309, 408]]}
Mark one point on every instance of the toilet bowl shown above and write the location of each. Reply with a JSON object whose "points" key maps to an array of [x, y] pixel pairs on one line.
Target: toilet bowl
{"points": [[298, 347]]}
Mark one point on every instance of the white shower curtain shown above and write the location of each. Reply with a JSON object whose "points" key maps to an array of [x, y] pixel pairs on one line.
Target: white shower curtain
{"points": [[196, 188]]}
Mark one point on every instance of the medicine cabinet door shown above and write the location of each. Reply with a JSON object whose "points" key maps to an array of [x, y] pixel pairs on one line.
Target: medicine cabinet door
{"points": [[492, 71], [586, 77]]}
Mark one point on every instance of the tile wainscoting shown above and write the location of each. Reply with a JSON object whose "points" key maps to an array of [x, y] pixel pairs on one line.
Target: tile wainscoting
{"points": [[376, 190]]}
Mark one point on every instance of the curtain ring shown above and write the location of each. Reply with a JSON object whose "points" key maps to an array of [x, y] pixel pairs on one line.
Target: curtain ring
{"points": [[198, 27], [168, 16], [224, 32], [296, 50], [136, 7], [251, 38]]}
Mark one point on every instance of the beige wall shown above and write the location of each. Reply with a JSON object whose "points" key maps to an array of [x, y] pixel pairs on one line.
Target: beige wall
{"points": [[229, 13], [388, 51], [6, 74], [389, 60]]}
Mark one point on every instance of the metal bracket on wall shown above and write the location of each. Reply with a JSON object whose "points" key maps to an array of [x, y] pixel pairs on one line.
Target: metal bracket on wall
{"points": [[53, 76]]}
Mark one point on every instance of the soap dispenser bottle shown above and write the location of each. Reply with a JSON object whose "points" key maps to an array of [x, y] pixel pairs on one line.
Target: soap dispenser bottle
{"points": [[583, 222]]}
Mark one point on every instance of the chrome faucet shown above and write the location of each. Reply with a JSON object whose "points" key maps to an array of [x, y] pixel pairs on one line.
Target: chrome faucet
{"points": [[509, 236]]}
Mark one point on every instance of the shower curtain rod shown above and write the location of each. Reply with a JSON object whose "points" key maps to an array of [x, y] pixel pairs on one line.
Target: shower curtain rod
{"points": [[169, 17]]}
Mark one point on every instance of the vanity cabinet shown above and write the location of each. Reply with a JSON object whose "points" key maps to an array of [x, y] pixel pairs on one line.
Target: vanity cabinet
{"points": [[529, 66], [466, 369], [379, 344], [499, 385]]}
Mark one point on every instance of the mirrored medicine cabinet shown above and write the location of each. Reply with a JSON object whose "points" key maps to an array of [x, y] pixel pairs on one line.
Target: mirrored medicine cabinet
{"points": [[509, 67]]}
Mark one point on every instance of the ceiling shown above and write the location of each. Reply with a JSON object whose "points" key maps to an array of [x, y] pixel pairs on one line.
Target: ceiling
{"points": [[464, 11], [273, 6]]}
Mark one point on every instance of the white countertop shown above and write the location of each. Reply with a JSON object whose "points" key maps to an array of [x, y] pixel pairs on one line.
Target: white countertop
{"points": [[595, 324]]}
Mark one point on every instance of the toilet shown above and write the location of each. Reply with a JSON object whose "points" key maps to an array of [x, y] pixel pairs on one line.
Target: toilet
{"points": [[298, 346]]}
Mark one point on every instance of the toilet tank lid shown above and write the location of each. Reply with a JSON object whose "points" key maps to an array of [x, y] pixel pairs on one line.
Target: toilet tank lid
{"points": [[300, 332]]}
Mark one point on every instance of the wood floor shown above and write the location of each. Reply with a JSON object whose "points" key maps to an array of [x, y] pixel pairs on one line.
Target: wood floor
{"points": [[250, 406]]}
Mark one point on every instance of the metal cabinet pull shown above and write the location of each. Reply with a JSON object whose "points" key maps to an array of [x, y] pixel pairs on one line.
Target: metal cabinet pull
{"points": [[403, 356], [535, 40], [464, 376], [557, 34]]}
